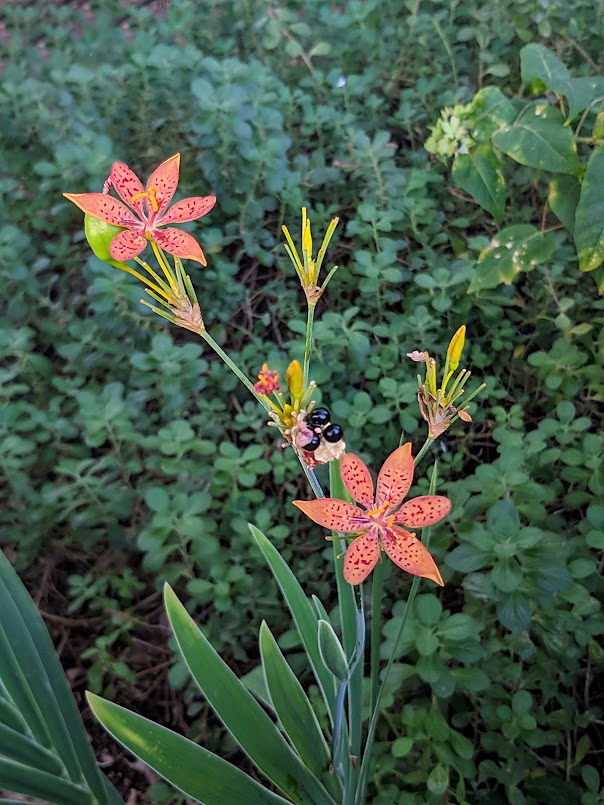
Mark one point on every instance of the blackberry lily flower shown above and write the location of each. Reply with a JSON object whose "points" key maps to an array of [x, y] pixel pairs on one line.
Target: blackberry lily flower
{"points": [[379, 526], [147, 209]]}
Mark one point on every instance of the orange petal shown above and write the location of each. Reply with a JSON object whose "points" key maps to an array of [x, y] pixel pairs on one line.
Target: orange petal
{"points": [[361, 557], [338, 515], [105, 207], [165, 179], [395, 477], [127, 184], [424, 510], [357, 479], [179, 243], [408, 553], [187, 210], [127, 244]]}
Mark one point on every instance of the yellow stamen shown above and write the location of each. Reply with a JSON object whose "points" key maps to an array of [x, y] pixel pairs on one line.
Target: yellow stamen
{"points": [[381, 510], [390, 521], [152, 199], [150, 194]]}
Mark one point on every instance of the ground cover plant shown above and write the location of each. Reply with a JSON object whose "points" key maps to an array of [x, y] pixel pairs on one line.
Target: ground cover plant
{"points": [[130, 458]]}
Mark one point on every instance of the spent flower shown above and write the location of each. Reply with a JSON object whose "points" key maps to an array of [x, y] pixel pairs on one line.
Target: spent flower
{"points": [[379, 525], [436, 403], [309, 267]]}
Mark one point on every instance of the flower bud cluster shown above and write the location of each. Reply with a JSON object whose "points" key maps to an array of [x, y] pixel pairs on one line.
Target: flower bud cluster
{"points": [[451, 135]]}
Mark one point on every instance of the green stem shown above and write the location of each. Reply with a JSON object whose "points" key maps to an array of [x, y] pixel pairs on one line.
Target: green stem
{"points": [[235, 369], [364, 770], [307, 347], [312, 478], [377, 591], [424, 449]]}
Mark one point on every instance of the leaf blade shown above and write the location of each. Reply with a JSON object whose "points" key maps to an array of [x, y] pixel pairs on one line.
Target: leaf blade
{"points": [[251, 727], [292, 706], [304, 617], [479, 174], [68, 726], [22, 779], [192, 769], [539, 139], [589, 217]]}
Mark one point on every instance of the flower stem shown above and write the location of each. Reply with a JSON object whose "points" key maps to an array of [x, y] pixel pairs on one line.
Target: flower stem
{"points": [[364, 770], [234, 368], [423, 450], [377, 591], [312, 478], [307, 347]]}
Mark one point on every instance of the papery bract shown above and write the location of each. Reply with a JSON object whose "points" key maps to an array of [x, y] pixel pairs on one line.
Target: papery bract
{"points": [[147, 209], [379, 525]]}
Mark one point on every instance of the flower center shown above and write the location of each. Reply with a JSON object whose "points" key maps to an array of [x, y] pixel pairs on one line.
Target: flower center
{"points": [[150, 194], [377, 515]]}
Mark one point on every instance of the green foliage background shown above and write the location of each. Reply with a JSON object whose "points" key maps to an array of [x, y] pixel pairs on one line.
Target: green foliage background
{"points": [[120, 433]]}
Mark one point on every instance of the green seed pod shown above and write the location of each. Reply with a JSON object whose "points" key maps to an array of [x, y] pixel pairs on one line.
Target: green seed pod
{"points": [[331, 651], [99, 235]]}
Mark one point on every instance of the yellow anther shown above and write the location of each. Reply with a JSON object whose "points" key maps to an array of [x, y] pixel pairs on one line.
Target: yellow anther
{"points": [[390, 521], [150, 194], [377, 512], [152, 191]]}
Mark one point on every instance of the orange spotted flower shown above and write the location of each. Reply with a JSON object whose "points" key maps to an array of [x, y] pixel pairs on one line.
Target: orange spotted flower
{"points": [[379, 526], [147, 209]]}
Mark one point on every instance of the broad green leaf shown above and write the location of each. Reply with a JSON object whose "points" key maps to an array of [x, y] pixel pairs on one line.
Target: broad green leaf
{"points": [[15, 746], [507, 575], [563, 198], [428, 609], [514, 612], [190, 768], [474, 679], [48, 682], [35, 783], [331, 651], [579, 93], [302, 611], [245, 719], [540, 68], [479, 174], [538, 138], [589, 218], [438, 780], [292, 706], [490, 111], [503, 520], [514, 249]]}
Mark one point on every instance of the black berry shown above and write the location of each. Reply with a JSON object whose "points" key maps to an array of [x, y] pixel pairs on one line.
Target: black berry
{"points": [[318, 417], [333, 433], [313, 444]]}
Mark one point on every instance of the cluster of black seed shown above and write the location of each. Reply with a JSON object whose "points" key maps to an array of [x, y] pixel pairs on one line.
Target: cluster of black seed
{"points": [[318, 421]]}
